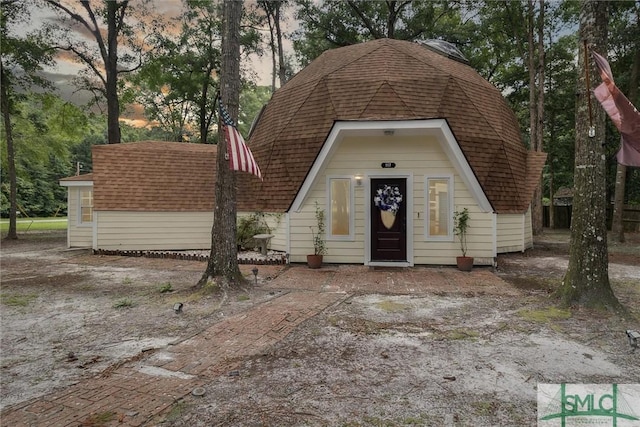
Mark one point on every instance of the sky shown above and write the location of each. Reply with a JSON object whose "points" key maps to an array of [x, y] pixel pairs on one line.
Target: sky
{"points": [[66, 67]]}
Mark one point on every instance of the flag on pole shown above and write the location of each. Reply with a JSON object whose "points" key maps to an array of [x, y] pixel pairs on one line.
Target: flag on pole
{"points": [[622, 112], [240, 157]]}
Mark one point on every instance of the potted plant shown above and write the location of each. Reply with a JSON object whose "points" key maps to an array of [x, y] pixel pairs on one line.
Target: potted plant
{"points": [[319, 245], [460, 226]]}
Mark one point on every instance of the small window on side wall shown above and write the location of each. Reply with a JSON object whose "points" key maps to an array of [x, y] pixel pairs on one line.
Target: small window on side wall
{"points": [[86, 206], [340, 212], [439, 201]]}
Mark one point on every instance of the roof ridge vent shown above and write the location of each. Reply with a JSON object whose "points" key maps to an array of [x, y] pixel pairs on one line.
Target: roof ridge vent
{"points": [[444, 48]]}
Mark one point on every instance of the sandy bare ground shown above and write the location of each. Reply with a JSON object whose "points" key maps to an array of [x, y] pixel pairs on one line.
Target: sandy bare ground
{"points": [[436, 358]]}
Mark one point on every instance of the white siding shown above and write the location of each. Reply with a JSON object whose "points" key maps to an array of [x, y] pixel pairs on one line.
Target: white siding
{"points": [[119, 230], [169, 230], [510, 232], [78, 235], [415, 157], [528, 229]]}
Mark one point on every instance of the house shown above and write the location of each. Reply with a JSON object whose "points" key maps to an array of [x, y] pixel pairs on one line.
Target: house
{"points": [[149, 195], [381, 115]]}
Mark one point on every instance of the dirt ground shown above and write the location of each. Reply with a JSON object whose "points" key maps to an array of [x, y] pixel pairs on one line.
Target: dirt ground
{"points": [[438, 358]]}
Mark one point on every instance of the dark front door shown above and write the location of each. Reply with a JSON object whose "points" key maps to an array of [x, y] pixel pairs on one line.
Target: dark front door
{"points": [[388, 233]]}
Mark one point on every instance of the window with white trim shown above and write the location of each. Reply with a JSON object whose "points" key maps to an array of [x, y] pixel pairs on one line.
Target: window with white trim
{"points": [[340, 212], [86, 206], [439, 222]]}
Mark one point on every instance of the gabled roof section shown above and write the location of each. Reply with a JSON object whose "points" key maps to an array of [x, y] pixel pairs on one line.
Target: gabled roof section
{"points": [[77, 180], [386, 80], [438, 128], [154, 176]]}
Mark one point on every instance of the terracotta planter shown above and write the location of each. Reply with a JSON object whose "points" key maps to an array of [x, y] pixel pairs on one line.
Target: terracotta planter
{"points": [[314, 261], [465, 263]]}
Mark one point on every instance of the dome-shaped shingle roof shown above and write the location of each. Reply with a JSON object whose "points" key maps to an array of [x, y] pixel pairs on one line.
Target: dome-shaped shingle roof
{"points": [[388, 79]]}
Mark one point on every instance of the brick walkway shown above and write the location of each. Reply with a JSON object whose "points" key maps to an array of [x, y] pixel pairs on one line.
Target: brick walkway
{"points": [[132, 394], [140, 390]]}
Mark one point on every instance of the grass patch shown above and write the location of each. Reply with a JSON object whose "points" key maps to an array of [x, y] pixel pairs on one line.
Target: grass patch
{"points": [[484, 408], [124, 303], [165, 287], [461, 334], [177, 410], [18, 300], [243, 297], [35, 224], [391, 306], [545, 315]]}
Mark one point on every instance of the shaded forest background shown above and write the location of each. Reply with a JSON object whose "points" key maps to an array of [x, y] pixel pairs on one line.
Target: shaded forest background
{"points": [[166, 70]]}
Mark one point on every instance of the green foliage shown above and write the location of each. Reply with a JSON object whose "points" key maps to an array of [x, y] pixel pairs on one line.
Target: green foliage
{"points": [[178, 84], [319, 244], [165, 287], [329, 24], [17, 300], [248, 226], [252, 99], [124, 303], [460, 227], [545, 315], [45, 132]]}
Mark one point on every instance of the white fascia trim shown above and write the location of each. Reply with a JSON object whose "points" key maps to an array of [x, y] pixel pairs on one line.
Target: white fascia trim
{"points": [[438, 128], [95, 230], [494, 222], [287, 219], [76, 183]]}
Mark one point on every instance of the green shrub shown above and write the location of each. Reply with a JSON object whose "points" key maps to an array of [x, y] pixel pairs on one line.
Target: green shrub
{"points": [[249, 226]]}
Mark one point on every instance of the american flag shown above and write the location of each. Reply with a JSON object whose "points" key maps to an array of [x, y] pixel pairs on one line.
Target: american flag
{"points": [[240, 157]]}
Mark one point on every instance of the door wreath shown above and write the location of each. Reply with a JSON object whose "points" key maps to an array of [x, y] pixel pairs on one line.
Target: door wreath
{"points": [[388, 199]]}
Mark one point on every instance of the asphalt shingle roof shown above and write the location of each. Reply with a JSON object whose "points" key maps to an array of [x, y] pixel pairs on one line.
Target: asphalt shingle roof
{"points": [[381, 80], [154, 176]]}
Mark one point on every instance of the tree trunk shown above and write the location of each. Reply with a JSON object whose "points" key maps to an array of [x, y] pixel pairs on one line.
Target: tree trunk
{"points": [[282, 70], [272, 45], [111, 66], [223, 258], [617, 225], [537, 212], [586, 281], [534, 120], [11, 157]]}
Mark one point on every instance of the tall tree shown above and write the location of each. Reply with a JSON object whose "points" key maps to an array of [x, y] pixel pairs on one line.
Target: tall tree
{"points": [[536, 99], [103, 61], [586, 281], [273, 11], [223, 258], [22, 58], [178, 83]]}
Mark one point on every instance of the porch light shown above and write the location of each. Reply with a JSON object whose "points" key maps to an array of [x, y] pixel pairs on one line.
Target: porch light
{"points": [[358, 180]]}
